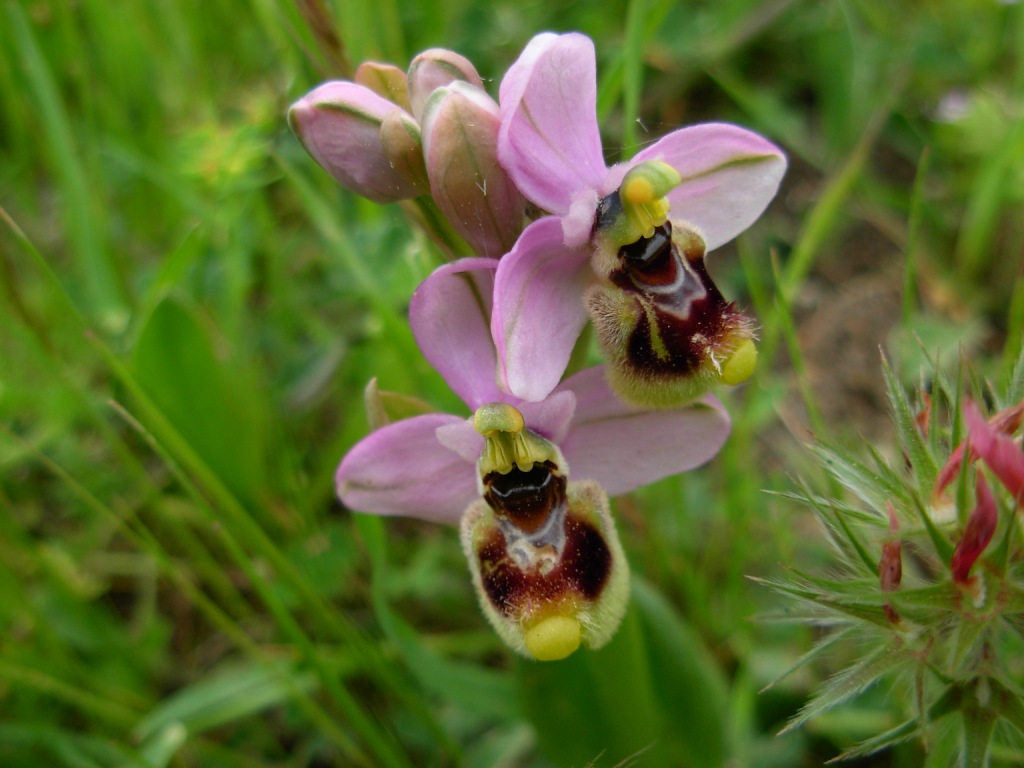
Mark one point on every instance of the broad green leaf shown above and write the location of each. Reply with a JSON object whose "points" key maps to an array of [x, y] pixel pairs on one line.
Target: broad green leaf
{"points": [[207, 397], [688, 681], [479, 690]]}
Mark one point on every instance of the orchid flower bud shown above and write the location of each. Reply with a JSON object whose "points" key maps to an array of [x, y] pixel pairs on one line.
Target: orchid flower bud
{"points": [[401, 144], [435, 69], [385, 80], [460, 135], [545, 558], [339, 124], [666, 329]]}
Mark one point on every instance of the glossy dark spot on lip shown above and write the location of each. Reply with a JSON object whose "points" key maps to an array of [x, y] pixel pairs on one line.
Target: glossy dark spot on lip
{"points": [[528, 498], [650, 261], [582, 572]]}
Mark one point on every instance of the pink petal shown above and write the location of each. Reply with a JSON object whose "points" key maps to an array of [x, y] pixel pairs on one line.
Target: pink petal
{"points": [[450, 314], [339, 125], [401, 469], [981, 526], [552, 417], [578, 223], [549, 140], [729, 176], [462, 438], [1002, 455], [623, 447], [538, 309]]}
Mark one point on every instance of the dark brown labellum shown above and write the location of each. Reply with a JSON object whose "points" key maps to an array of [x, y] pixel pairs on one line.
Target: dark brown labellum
{"points": [[526, 499], [580, 573]]}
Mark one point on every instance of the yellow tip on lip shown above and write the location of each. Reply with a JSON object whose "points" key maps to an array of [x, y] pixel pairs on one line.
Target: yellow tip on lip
{"points": [[553, 638], [740, 366]]}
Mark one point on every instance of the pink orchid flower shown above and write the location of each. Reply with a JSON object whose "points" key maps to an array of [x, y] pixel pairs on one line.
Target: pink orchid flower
{"points": [[426, 466], [549, 143]]}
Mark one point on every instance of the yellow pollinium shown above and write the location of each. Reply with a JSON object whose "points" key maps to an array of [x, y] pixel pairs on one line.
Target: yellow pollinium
{"points": [[498, 417], [740, 365], [647, 182], [553, 638], [507, 441], [644, 203], [638, 191]]}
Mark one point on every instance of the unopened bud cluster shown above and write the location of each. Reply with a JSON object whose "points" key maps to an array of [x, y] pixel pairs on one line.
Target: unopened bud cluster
{"points": [[392, 136]]}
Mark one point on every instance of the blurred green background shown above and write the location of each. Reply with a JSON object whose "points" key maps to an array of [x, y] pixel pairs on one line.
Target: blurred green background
{"points": [[190, 309]]}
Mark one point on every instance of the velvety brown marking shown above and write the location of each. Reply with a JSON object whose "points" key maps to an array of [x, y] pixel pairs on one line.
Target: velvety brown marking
{"points": [[525, 498], [582, 572]]}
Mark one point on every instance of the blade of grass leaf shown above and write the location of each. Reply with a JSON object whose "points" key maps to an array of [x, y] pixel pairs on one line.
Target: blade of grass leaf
{"points": [[632, 74], [381, 745], [148, 542], [108, 711], [784, 317], [910, 298], [107, 292]]}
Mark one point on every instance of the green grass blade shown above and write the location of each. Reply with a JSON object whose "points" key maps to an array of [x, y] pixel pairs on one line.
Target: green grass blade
{"points": [[107, 294]]}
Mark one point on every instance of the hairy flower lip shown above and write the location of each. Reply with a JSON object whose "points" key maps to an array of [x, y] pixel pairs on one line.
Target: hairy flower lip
{"points": [[545, 601]]}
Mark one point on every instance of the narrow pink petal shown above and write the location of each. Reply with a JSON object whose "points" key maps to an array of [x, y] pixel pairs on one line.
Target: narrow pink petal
{"points": [[729, 176], [339, 125], [462, 438], [1002, 455], [403, 470], [552, 417], [623, 447], [951, 468], [549, 140], [538, 309], [578, 223], [450, 314], [981, 526]]}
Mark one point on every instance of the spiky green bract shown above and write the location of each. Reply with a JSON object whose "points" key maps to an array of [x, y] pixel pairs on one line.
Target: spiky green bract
{"points": [[947, 649]]}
